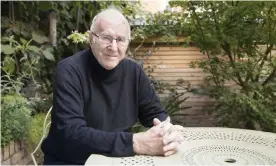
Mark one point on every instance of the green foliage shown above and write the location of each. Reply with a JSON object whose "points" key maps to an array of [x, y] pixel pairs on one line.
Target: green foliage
{"points": [[258, 108], [238, 38], [25, 30], [77, 37], [35, 133], [23, 50], [166, 24], [11, 85], [40, 104], [15, 118], [174, 102]]}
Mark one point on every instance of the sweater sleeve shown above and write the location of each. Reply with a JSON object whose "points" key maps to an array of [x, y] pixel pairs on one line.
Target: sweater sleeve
{"points": [[75, 138], [149, 103]]}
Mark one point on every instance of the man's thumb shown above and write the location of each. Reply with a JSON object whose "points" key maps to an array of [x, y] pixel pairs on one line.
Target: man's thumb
{"points": [[168, 119], [156, 122]]}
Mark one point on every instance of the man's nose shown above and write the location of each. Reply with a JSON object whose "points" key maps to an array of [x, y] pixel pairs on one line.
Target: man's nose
{"points": [[114, 45]]}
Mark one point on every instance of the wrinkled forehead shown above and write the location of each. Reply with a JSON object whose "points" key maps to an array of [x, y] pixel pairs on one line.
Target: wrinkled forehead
{"points": [[113, 25]]}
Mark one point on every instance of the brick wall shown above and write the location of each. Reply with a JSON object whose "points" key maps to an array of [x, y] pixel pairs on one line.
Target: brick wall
{"points": [[15, 154]]}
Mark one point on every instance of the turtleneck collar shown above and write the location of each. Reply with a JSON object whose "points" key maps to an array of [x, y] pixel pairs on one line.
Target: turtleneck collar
{"points": [[104, 74]]}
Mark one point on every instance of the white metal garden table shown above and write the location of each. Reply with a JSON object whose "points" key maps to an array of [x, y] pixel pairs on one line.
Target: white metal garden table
{"points": [[208, 146]]}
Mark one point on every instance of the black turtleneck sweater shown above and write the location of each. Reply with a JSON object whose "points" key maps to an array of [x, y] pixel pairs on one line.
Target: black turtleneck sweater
{"points": [[94, 109]]}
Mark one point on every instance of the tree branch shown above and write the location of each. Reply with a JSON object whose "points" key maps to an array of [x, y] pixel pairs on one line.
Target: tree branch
{"points": [[270, 77], [268, 50], [17, 64], [227, 49], [198, 23], [249, 72], [140, 45], [216, 23], [263, 59], [203, 36]]}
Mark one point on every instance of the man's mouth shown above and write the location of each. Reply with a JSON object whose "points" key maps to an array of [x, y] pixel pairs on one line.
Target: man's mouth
{"points": [[111, 55]]}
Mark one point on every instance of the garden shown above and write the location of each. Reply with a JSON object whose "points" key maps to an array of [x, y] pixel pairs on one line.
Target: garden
{"points": [[238, 38]]}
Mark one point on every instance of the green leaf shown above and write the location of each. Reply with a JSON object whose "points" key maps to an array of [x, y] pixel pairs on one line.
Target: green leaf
{"points": [[6, 38], [48, 54], [25, 33], [7, 49], [23, 58], [9, 65], [198, 91], [273, 61], [39, 37], [23, 41], [45, 5], [34, 48]]}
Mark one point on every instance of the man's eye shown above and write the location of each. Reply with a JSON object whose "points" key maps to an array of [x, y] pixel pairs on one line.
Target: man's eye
{"points": [[107, 38], [121, 40]]}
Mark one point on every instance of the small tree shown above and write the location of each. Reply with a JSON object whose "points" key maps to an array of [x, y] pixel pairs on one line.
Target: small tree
{"points": [[238, 38]]}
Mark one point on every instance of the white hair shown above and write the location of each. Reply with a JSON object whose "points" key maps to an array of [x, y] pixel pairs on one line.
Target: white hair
{"points": [[107, 12]]}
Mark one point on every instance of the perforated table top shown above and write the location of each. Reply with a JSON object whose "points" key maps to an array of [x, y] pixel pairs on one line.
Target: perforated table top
{"points": [[208, 146]]}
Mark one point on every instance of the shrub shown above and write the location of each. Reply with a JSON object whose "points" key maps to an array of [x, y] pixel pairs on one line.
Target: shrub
{"points": [[35, 133], [254, 110], [15, 117]]}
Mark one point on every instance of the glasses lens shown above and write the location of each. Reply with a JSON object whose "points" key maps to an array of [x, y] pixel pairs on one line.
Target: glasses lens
{"points": [[122, 41], [106, 39]]}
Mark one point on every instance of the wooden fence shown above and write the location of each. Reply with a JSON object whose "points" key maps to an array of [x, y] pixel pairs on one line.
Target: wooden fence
{"points": [[173, 63]]}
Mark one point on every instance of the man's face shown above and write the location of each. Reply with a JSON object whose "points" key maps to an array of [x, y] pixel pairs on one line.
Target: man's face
{"points": [[107, 51]]}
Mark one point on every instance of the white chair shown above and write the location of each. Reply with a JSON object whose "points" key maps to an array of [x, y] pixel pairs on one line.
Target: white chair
{"points": [[44, 134]]}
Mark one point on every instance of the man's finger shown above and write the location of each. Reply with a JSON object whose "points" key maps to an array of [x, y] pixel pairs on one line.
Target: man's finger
{"points": [[164, 122], [171, 146], [168, 153], [173, 137], [166, 125], [169, 138], [178, 127], [180, 139], [167, 128]]}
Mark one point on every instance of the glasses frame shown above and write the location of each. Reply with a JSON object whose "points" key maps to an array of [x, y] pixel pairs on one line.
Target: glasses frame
{"points": [[98, 36]]}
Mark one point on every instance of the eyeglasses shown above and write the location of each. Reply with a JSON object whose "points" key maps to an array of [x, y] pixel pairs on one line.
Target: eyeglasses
{"points": [[107, 39]]}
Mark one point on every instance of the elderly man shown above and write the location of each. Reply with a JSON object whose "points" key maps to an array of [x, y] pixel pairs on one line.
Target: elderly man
{"points": [[98, 96]]}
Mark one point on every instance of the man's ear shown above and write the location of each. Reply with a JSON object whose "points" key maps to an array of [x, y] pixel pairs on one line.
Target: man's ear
{"points": [[90, 37]]}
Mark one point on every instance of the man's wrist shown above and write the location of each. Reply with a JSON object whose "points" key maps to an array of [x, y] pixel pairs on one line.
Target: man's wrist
{"points": [[137, 143]]}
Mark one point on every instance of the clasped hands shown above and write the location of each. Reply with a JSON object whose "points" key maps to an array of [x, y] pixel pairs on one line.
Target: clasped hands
{"points": [[161, 139]]}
